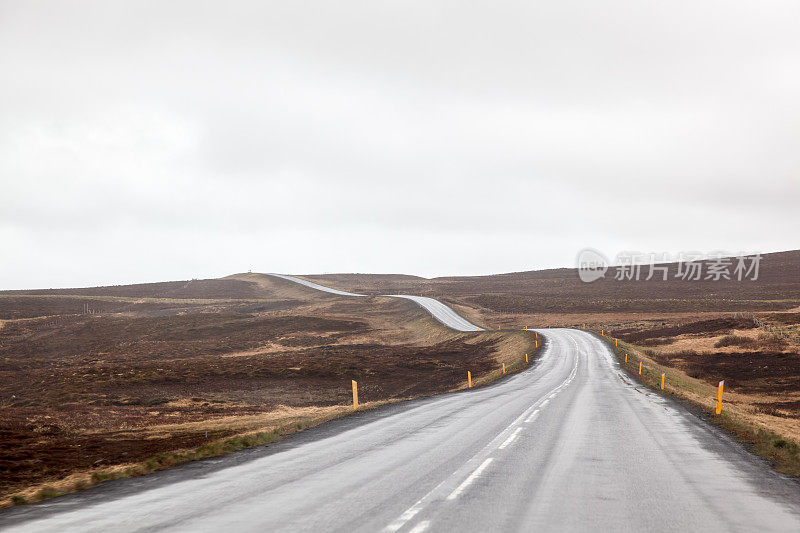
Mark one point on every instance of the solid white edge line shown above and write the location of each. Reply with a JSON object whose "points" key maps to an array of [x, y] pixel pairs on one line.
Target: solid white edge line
{"points": [[472, 477]]}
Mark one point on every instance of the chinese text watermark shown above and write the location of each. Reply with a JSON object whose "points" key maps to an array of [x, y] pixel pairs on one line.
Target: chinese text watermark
{"points": [[686, 266]]}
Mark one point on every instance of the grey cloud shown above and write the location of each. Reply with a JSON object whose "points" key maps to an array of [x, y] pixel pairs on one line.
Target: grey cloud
{"points": [[234, 127]]}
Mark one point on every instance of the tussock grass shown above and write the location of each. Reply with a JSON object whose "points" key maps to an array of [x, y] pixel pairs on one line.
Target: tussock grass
{"points": [[734, 340], [45, 493]]}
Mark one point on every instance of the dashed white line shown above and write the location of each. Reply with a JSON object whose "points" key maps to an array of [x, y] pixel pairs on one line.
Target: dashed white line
{"points": [[510, 439], [532, 416], [412, 511], [472, 477], [419, 528]]}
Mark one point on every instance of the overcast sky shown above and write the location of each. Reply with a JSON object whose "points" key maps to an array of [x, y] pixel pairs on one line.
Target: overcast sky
{"points": [[149, 141]]}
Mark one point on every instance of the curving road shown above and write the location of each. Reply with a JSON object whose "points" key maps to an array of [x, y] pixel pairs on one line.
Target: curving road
{"points": [[437, 309], [570, 444], [313, 285], [441, 312]]}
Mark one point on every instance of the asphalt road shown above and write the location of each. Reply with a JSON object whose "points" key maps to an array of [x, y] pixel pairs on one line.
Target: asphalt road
{"points": [[437, 309], [571, 444], [317, 286]]}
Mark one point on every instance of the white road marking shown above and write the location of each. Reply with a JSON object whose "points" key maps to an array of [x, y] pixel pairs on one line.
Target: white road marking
{"points": [[510, 439], [531, 412], [472, 477], [419, 528], [412, 511]]}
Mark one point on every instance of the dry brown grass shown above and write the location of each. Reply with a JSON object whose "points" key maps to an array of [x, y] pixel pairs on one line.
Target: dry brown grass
{"points": [[137, 387], [280, 422]]}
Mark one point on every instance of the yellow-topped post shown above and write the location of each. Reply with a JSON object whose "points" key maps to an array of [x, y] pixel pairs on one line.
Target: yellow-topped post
{"points": [[355, 395], [504, 368], [662, 381], [640, 368], [719, 396], [469, 379]]}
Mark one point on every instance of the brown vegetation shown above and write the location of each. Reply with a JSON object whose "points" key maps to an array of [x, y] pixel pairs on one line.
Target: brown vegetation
{"points": [[560, 291], [163, 373]]}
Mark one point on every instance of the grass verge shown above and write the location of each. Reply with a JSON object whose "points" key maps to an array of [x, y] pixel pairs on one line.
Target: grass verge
{"points": [[780, 450], [83, 480]]}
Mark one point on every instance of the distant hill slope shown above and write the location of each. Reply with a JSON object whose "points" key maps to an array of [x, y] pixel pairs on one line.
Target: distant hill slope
{"points": [[561, 290], [538, 291]]}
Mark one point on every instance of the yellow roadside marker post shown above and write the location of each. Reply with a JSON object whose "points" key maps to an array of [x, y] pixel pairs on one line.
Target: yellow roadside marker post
{"points": [[537, 343], [640, 368], [504, 368], [662, 381], [616, 343], [526, 358], [469, 379], [626, 357], [719, 396], [355, 395]]}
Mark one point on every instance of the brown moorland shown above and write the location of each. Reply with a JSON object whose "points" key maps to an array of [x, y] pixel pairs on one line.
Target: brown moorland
{"points": [[159, 369], [559, 297]]}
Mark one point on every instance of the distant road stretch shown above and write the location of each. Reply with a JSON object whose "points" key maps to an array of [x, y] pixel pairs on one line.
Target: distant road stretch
{"points": [[441, 312]]}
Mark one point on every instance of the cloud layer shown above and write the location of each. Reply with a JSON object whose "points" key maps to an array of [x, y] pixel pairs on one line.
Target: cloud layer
{"points": [[144, 141]]}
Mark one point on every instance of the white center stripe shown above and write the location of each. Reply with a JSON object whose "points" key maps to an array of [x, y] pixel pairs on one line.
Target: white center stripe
{"points": [[467, 482], [510, 439]]}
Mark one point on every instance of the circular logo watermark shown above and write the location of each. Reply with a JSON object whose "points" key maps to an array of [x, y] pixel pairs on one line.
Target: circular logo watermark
{"points": [[591, 264]]}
